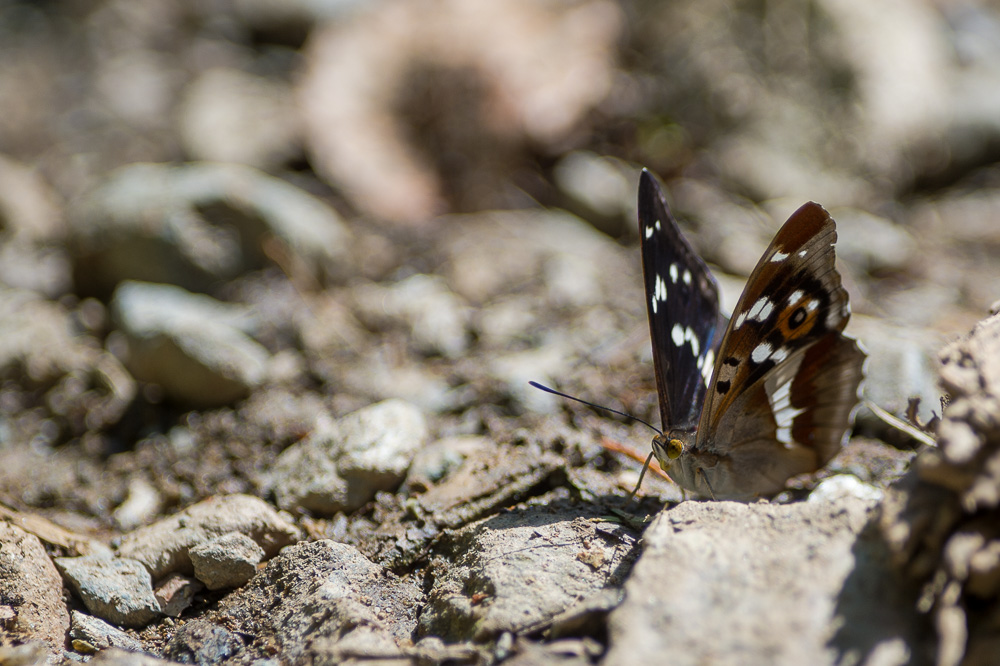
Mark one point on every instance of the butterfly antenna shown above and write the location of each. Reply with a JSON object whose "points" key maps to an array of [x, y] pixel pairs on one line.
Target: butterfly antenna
{"points": [[649, 458], [607, 409]]}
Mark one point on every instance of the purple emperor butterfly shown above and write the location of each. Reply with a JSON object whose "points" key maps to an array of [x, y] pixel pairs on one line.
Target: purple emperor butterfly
{"points": [[774, 394]]}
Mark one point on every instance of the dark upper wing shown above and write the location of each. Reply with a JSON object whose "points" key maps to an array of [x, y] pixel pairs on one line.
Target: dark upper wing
{"points": [[683, 305]]}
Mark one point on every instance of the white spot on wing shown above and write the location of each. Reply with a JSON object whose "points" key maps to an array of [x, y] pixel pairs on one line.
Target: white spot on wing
{"points": [[649, 232], [779, 256], [708, 366], [739, 320], [761, 310], [659, 293], [690, 336], [784, 413], [677, 334], [803, 253], [673, 273], [812, 305], [661, 289], [782, 396], [761, 353], [784, 435], [779, 355], [796, 296], [687, 276]]}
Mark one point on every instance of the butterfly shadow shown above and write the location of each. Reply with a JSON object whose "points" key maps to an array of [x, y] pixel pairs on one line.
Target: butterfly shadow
{"points": [[877, 606]]}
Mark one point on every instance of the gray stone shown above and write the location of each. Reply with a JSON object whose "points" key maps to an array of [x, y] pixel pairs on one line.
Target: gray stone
{"points": [[843, 487], [875, 244], [435, 461], [379, 442], [419, 384], [32, 255], [341, 465], [727, 583], [604, 185], [163, 546], [191, 345], [143, 308], [28, 205], [226, 561], [197, 224], [491, 251], [901, 364], [101, 635], [437, 318], [142, 502], [540, 364], [115, 589], [520, 570], [486, 481], [221, 113], [565, 652], [30, 590]]}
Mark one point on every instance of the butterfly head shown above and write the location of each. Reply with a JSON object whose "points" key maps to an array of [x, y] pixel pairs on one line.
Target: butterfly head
{"points": [[669, 446]]}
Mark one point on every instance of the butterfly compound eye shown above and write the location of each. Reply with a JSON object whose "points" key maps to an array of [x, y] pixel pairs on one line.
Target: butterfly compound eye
{"points": [[675, 448], [667, 449]]}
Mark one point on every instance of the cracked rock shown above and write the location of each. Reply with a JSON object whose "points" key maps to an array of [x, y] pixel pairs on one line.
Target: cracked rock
{"points": [[519, 570], [322, 602], [116, 589], [101, 635]]}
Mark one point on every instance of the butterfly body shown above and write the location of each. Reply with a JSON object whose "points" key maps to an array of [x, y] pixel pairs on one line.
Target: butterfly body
{"points": [[748, 403]]}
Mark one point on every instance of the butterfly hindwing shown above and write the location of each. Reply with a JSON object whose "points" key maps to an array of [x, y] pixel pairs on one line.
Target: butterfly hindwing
{"points": [[792, 421], [683, 306]]}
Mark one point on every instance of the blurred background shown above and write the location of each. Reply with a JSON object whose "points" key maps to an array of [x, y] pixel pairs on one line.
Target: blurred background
{"points": [[219, 219]]}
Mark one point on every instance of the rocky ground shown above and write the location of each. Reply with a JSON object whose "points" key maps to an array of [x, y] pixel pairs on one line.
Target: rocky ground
{"points": [[274, 278]]}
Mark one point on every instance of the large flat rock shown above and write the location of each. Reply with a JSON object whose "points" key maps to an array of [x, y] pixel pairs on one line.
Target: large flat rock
{"points": [[727, 583]]}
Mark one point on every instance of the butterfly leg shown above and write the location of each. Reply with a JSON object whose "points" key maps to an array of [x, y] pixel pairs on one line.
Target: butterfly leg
{"points": [[705, 476], [645, 466]]}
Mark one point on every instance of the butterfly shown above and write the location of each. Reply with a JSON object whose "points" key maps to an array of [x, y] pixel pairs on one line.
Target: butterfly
{"points": [[746, 403]]}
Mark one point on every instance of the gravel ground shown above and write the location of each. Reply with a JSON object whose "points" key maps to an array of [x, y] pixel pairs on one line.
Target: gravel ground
{"points": [[274, 278]]}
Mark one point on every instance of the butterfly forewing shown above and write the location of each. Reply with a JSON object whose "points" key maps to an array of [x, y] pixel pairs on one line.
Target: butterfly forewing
{"points": [[683, 306], [793, 299]]}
